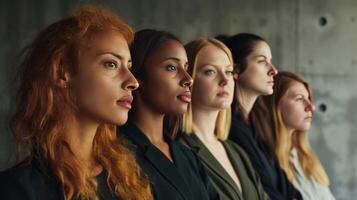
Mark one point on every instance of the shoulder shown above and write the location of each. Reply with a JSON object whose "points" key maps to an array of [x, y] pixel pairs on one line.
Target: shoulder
{"points": [[24, 181], [239, 151]]}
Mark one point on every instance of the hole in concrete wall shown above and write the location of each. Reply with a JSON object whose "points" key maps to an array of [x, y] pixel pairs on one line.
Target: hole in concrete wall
{"points": [[322, 107], [323, 21]]}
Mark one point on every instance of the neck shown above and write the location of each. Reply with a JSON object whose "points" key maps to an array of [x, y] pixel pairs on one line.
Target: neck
{"points": [[149, 121], [205, 123], [246, 100], [79, 134]]}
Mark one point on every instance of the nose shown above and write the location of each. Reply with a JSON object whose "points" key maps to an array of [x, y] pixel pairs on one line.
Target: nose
{"points": [[309, 106], [130, 82], [273, 70], [224, 79], [186, 80]]}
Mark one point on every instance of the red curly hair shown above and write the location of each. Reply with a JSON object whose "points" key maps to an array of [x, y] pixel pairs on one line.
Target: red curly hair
{"points": [[43, 105]]}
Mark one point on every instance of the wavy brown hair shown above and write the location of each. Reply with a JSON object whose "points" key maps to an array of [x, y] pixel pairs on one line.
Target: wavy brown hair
{"points": [[43, 105], [285, 142]]}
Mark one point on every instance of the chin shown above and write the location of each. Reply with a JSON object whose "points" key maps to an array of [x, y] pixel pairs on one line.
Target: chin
{"points": [[119, 120], [179, 110]]}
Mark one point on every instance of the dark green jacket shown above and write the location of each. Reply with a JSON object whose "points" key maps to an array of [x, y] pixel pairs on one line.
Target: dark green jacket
{"points": [[224, 184]]}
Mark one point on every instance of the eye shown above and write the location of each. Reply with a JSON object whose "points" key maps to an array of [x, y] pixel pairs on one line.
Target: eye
{"points": [[229, 72], [261, 61], [209, 72], [171, 68], [299, 99], [111, 64]]}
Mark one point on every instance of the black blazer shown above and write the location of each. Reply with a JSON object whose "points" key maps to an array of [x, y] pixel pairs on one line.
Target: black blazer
{"points": [[272, 177], [30, 180], [184, 179]]}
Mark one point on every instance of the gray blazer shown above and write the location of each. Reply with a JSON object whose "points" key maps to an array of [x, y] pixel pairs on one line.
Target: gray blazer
{"points": [[224, 184]]}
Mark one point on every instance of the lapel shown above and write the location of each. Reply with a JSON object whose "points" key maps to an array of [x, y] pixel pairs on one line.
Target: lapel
{"points": [[210, 161], [239, 166], [168, 170]]}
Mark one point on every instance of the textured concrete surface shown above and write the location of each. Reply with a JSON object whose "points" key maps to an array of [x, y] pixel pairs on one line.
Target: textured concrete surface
{"points": [[314, 38]]}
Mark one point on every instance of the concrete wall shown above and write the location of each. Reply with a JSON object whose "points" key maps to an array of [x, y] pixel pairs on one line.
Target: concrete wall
{"points": [[314, 38]]}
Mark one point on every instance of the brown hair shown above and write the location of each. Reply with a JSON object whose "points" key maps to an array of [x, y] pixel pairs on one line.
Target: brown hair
{"points": [[223, 122], [284, 142], [43, 105]]}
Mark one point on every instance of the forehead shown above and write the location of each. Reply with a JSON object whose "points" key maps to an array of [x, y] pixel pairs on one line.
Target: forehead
{"points": [[298, 88], [211, 54], [107, 41], [169, 49], [261, 48]]}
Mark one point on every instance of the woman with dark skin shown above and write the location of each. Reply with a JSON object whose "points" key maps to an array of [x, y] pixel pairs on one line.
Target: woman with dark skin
{"points": [[253, 60], [160, 64], [75, 88]]}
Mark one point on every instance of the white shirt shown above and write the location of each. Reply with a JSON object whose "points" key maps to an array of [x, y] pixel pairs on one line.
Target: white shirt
{"points": [[309, 188]]}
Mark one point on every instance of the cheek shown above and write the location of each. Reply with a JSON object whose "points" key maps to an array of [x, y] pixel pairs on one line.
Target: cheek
{"points": [[201, 91], [96, 95], [292, 116]]}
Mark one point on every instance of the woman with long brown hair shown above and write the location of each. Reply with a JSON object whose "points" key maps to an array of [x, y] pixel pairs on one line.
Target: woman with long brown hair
{"points": [[75, 87], [253, 60], [291, 110]]}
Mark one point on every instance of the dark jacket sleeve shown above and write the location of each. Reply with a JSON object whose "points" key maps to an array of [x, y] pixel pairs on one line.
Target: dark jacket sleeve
{"points": [[212, 192], [283, 190], [11, 188]]}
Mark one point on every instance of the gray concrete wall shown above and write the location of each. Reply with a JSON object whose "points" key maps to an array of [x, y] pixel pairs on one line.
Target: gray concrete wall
{"points": [[317, 39]]}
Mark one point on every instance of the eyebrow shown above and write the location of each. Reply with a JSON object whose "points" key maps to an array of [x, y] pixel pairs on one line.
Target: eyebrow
{"points": [[227, 66], [257, 56], [173, 58], [120, 57]]}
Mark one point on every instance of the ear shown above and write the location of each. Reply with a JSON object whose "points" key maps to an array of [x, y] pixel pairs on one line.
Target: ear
{"points": [[235, 74], [63, 80]]}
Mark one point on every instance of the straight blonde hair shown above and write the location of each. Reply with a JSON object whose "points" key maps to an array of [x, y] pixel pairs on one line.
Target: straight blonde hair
{"points": [[223, 122], [285, 142]]}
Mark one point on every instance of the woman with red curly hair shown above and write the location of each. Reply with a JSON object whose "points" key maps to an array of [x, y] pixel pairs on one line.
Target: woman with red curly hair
{"points": [[76, 85]]}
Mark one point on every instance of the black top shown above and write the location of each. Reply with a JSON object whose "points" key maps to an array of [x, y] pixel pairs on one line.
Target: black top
{"points": [[272, 177], [30, 181], [185, 178]]}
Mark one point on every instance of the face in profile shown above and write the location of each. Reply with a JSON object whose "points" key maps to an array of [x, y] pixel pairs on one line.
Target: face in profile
{"points": [[166, 88], [103, 84], [296, 107], [213, 83], [258, 76]]}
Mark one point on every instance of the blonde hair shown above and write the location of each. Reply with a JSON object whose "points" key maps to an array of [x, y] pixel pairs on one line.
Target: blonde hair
{"points": [[285, 142], [223, 121], [38, 121]]}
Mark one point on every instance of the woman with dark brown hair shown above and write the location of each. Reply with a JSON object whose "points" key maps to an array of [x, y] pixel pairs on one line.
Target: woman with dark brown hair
{"points": [[253, 60], [75, 87], [160, 64]]}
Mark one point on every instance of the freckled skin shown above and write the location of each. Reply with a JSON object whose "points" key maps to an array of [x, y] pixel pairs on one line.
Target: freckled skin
{"points": [[103, 78], [296, 108], [214, 74]]}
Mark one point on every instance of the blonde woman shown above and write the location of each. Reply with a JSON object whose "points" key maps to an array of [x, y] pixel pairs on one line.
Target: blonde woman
{"points": [[291, 111], [206, 125]]}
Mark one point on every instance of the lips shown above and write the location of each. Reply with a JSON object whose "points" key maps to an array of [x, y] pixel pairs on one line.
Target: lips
{"points": [[222, 93], [125, 101], [271, 82], [185, 97]]}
